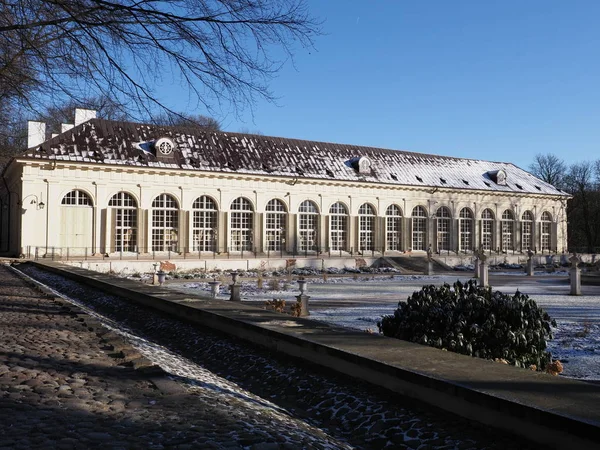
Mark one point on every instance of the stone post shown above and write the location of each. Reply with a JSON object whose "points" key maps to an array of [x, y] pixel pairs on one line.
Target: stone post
{"points": [[529, 263], [575, 275], [303, 298], [161, 276], [483, 270], [429, 261], [214, 288], [234, 288]]}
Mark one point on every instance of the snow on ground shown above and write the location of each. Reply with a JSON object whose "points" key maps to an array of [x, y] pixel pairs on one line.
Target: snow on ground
{"points": [[360, 302]]}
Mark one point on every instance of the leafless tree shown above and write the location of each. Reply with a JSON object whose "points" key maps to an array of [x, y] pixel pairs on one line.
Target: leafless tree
{"points": [[584, 208], [549, 168], [186, 120], [55, 115], [221, 51]]}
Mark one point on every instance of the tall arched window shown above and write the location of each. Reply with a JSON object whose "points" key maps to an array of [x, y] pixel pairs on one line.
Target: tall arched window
{"points": [[242, 218], [526, 230], [308, 225], [124, 219], [419, 228], [165, 222], [466, 230], [487, 229], [366, 226], [338, 226], [546, 231], [393, 226], [443, 228], [275, 224], [204, 224], [508, 230]]}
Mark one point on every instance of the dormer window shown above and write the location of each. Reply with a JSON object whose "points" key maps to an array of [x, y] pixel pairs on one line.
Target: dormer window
{"points": [[442, 180], [519, 186], [419, 178], [164, 146], [394, 177], [498, 177], [364, 165], [466, 182]]}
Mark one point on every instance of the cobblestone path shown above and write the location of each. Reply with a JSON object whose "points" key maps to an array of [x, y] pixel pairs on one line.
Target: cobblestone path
{"points": [[66, 385]]}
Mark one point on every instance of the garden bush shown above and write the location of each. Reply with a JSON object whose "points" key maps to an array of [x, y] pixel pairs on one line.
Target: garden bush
{"points": [[473, 320]]}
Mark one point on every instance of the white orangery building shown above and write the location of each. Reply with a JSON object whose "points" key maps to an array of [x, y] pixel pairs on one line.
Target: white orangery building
{"points": [[104, 187]]}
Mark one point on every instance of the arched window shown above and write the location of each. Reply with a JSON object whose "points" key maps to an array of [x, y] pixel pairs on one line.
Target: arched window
{"points": [[487, 229], [242, 218], [366, 225], [165, 222], [546, 231], [466, 230], [526, 230], [204, 224], [124, 219], [419, 228], [443, 228], [275, 224], [76, 198], [393, 226], [338, 226], [508, 230], [308, 225]]}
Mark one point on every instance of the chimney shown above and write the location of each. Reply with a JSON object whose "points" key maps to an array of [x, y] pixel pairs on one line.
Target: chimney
{"points": [[36, 133], [65, 127], [83, 115]]}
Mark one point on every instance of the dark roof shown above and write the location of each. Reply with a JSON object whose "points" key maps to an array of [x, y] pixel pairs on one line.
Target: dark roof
{"points": [[101, 141]]}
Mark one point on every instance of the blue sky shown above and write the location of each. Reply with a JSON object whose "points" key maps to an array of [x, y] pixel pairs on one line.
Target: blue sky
{"points": [[476, 79]]}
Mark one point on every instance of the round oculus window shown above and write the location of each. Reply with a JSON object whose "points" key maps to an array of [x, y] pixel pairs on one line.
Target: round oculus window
{"points": [[165, 146]]}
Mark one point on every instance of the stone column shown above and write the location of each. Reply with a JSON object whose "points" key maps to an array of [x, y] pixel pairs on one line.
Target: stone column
{"points": [[429, 260], [575, 275], [483, 270], [234, 288], [303, 298], [529, 263]]}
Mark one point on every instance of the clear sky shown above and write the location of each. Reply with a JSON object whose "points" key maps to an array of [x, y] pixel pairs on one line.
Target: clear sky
{"points": [[497, 80]]}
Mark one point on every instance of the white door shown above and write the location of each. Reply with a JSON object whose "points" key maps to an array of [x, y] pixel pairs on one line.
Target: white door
{"points": [[76, 229]]}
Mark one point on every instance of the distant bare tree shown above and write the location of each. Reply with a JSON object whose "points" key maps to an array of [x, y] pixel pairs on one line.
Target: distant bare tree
{"points": [[549, 168], [55, 115], [584, 208], [220, 51], [186, 120]]}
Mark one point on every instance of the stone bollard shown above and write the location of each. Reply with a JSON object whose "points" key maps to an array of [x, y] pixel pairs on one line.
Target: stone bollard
{"points": [[476, 269], [214, 288], [234, 288], [483, 271], [529, 263], [160, 277], [303, 298], [575, 275], [429, 267]]}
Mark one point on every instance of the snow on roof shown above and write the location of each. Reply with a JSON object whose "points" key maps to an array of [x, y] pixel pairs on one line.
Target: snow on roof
{"points": [[123, 143]]}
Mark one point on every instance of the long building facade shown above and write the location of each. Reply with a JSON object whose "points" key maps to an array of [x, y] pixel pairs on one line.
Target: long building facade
{"points": [[105, 187]]}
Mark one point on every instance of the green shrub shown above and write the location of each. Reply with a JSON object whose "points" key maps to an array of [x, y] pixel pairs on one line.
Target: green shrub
{"points": [[473, 320]]}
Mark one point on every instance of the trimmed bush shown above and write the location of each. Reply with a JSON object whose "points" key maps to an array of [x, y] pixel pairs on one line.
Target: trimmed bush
{"points": [[473, 320]]}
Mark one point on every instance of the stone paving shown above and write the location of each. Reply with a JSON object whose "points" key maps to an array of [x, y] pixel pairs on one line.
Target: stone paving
{"points": [[233, 395], [64, 386]]}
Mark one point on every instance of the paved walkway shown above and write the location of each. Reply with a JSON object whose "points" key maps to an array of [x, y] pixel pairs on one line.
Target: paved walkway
{"points": [[64, 385]]}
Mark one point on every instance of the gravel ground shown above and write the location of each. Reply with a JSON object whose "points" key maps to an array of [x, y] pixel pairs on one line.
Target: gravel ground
{"points": [[232, 395]]}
